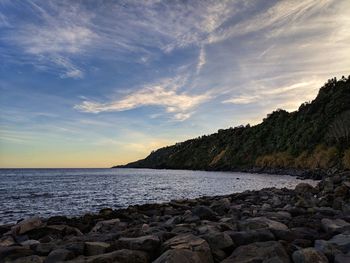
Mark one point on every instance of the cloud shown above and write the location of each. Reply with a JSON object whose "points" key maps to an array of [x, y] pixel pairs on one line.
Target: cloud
{"points": [[164, 94], [201, 59]]}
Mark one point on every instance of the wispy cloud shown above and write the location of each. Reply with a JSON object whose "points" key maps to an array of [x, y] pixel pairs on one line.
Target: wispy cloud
{"points": [[165, 93], [201, 59]]}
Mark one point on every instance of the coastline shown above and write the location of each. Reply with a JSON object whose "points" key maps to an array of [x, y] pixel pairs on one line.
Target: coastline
{"points": [[277, 224]]}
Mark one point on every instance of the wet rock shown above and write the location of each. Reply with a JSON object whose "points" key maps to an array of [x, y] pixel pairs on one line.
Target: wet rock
{"points": [[180, 256], [341, 241], [59, 255], [14, 252], [29, 259], [218, 240], [204, 213], [309, 255], [145, 243], [335, 226], [199, 247], [221, 206], [7, 241], [342, 258], [261, 222], [30, 242], [26, 225], [270, 251], [120, 256], [246, 237], [304, 188], [96, 248], [105, 226]]}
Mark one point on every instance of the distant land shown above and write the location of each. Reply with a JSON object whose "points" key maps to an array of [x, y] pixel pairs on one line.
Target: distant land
{"points": [[316, 137]]}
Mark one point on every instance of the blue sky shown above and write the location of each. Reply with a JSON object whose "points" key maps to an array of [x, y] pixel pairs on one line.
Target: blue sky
{"points": [[98, 83]]}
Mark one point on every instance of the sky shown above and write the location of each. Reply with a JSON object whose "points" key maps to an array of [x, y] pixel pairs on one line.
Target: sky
{"points": [[99, 83]]}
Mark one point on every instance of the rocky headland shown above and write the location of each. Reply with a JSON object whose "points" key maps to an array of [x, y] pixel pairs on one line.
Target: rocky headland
{"points": [[304, 225]]}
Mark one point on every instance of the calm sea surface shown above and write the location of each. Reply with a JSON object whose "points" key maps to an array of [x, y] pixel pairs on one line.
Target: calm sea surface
{"points": [[48, 192]]}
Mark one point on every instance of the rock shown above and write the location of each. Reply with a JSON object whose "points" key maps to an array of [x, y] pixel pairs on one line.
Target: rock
{"points": [[7, 241], [341, 191], [59, 255], [105, 226], [221, 206], [304, 188], [261, 222], [30, 242], [26, 225], [342, 258], [218, 240], [335, 226], [246, 237], [120, 256], [309, 255], [96, 248], [341, 241], [145, 243], [327, 248], [14, 252], [204, 213], [270, 251], [180, 256], [198, 246], [29, 259], [44, 249], [78, 248]]}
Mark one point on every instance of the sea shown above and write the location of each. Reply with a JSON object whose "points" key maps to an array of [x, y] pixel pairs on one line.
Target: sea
{"points": [[74, 192]]}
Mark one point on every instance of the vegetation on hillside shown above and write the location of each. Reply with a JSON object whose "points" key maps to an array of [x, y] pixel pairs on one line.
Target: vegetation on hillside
{"points": [[316, 136]]}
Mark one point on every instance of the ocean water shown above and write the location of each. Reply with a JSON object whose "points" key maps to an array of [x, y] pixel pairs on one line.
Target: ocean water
{"points": [[72, 192]]}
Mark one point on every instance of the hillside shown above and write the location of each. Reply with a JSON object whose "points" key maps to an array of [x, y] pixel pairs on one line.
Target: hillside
{"points": [[316, 136]]}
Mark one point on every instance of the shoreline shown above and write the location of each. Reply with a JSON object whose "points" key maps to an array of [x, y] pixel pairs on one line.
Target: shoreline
{"points": [[305, 222]]}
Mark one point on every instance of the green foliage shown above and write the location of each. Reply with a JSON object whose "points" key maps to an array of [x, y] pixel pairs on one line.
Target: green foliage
{"points": [[313, 137]]}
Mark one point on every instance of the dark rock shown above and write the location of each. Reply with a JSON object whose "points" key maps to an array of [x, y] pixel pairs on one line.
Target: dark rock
{"points": [[204, 213], [261, 222], [218, 240], [59, 255], [29, 259], [270, 251], [181, 256], [26, 225], [14, 252], [309, 255], [335, 226], [246, 237], [146, 243], [7, 241], [342, 258], [199, 247], [96, 248]]}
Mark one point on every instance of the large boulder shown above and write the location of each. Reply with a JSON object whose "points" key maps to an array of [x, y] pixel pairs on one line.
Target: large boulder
{"points": [[341, 241], [10, 253], [204, 213], [198, 246], [26, 225], [120, 256], [59, 255], [96, 248], [260, 223], [270, 251], [218, 240], [309, 255], [246, 237], [334, 226], [148, 243], [106, 226], [179, 256]]}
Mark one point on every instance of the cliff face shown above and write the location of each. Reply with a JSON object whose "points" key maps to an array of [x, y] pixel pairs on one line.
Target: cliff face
{"points": [[316, 136]]}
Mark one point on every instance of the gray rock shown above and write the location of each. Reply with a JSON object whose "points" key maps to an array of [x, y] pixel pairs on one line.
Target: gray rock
{"points": [[44, 248], [342, 258], [30, 242], [106, 225], [335, 226], [204, 213], [119, 256], [261, 222], [327, 248], [96, 248], [304, 188], [14, 252], [246, 237], [218, 240], [146, 243], [7, 241], [197, 245], [341, 241], [26, 225], [180, 256], [309, 255], [270, 251], [29, 259], [59, 255]]}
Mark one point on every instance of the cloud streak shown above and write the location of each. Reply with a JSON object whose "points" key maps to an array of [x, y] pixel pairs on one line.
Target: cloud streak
{"points": [[164, 94]]}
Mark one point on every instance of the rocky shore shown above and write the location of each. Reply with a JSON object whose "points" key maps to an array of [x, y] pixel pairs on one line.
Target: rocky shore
{"points": [[304, 225]]}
